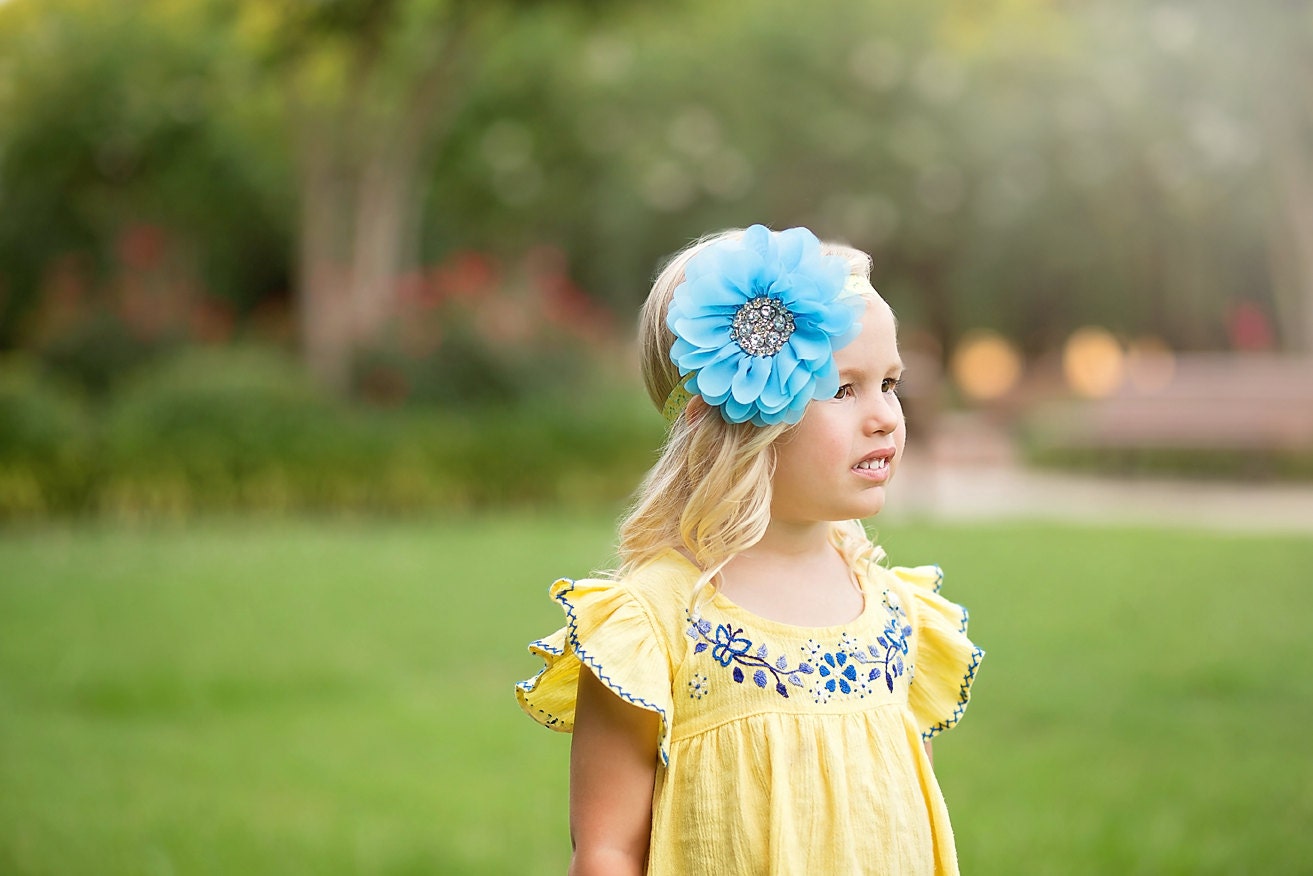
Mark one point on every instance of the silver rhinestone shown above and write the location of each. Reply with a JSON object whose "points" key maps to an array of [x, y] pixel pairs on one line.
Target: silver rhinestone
{"points": [[762, 327]]}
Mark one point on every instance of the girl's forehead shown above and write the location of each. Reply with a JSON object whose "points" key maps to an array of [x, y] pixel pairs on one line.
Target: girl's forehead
{"points": [[876, 347]]}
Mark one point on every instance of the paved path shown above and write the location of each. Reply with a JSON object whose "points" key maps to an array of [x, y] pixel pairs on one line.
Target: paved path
{"points": [[971, 473], [997, 492]]}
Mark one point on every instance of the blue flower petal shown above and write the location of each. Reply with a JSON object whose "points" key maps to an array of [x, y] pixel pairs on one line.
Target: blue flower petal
{"points": [[736, 412], [793, 413], [709, 292], [715, 378], [691, 358], [757, 238], [738, 269], [792, 245], [792, 268], [704, 331], [751, 378], [827, 381], [809, 346]]}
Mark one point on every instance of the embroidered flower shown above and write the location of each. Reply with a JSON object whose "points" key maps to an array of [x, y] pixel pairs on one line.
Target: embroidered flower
{"points": [[838, 673], [729, 645], [757, 321]]}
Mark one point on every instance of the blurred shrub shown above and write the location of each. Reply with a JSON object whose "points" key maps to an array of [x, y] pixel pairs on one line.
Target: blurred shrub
{"points": [[220, 430], [45, 443], [476, 330], [1175, 462], [97, 350]]}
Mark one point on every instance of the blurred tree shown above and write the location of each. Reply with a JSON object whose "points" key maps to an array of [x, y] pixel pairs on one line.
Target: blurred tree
{"points": [[372, 89], [1025, 165], [125, 164]]}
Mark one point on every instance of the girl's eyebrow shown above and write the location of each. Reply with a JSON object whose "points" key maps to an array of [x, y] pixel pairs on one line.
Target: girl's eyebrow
{"points": [[858, 371]]}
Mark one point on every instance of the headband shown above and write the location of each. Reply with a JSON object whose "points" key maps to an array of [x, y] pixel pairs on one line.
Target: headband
{"points": [[757, 320]]}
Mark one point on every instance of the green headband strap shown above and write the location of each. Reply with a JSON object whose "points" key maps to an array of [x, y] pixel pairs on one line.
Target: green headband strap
{"points": [[678, 399]]}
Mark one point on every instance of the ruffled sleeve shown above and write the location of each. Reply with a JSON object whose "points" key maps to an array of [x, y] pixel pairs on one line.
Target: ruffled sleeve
{"points": [[945, 659], [608, 630]]}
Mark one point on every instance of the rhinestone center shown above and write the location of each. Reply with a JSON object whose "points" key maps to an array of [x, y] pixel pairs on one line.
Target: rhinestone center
{"points": [[762, 327]]}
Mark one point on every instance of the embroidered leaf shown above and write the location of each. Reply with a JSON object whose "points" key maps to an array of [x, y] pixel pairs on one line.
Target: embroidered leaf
{"points": [[738, 675], [875, 673], [860, 657], [889, 680], [884, 643], [781, 689], [907, 631], [874, 653], [691, 632], [795, 679], [761, 652], [704, 626], [782, 663], [806, 667], [759, 677], [699, 647]]}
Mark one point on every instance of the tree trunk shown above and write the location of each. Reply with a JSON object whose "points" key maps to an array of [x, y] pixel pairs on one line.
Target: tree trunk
{"points": [[361, 205], [1291, 236], [322, 266]]}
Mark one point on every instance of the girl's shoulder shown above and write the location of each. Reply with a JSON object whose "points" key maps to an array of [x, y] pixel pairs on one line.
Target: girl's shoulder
{"points": [[661, 584]]}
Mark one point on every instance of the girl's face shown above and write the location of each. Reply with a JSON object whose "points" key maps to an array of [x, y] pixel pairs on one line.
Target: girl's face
{"points": [[835, 463]]}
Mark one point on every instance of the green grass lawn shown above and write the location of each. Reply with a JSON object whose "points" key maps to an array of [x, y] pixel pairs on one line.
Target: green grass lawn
{"points": [[290, 697]]}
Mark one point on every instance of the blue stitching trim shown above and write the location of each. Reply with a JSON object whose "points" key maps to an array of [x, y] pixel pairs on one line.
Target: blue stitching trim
{"points": [[542, 645], [528, 686], [586, 658], [939, 578], [963, 695]]}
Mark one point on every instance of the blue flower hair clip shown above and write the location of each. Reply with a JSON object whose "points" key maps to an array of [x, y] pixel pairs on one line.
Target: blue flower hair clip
{"points": [[757, 320]]}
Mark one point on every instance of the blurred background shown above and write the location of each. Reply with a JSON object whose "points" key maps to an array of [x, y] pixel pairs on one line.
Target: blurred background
{"points": [[367, 272], [318, 254]]}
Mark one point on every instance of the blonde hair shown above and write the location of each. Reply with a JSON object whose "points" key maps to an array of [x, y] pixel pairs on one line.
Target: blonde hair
{"points": [[709, 494]]}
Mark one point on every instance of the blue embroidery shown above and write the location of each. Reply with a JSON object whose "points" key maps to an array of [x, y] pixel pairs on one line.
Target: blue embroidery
{"points": [[850, 667], [729, 646]]}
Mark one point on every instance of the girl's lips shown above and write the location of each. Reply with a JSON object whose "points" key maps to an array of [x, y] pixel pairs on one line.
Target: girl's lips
{"points": [[875, 466]]}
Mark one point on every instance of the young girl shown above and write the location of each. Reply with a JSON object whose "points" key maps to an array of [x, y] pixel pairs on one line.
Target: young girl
{"points": [[759, 693]]}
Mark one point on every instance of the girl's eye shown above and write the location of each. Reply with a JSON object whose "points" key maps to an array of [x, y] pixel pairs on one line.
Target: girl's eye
{"points": [[891, 384], [844, 391]]}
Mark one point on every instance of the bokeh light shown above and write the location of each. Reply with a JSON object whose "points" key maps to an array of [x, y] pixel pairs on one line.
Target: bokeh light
{"points": [[986, 365], [1150, 364], [1093, 362]]}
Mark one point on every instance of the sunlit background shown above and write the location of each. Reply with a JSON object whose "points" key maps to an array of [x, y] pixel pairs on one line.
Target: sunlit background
{"points": [[363, 264]]}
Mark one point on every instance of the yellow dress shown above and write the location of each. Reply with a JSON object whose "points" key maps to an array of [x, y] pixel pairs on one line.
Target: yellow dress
{"points": [[783, 749]]}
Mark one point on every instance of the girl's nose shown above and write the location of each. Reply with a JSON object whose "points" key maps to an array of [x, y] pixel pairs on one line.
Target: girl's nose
{"points": [[883, 414]]}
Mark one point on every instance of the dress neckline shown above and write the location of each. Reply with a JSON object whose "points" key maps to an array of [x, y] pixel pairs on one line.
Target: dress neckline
{"points": [[870, 604]]}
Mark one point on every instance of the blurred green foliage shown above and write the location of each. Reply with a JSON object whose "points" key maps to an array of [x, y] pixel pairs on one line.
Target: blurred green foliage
{"points": [[1026, 166], [46, 452], [207, 430]]}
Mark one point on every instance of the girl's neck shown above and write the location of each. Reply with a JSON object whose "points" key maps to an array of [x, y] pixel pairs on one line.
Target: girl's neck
{"points": [[787, 540], [794, 575]]}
